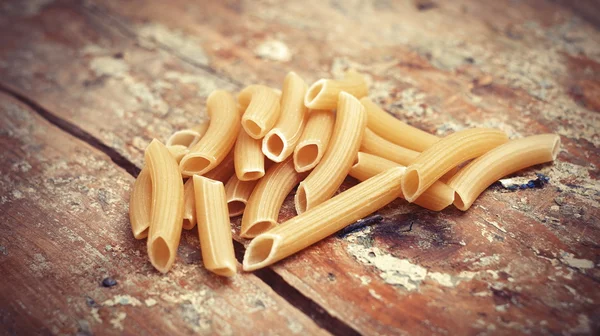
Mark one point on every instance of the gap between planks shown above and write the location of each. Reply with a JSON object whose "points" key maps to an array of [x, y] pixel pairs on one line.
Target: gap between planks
{"points": [[282, 288]]}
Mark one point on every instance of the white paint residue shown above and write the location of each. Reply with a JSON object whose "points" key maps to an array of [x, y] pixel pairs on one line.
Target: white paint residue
{"points": [[150, 302], [274, 50], [185, 45], [17, 194], [442, 278], [95, 315], [569, 259], [496, 225], [374, 294], [394, 271], [486, 261], [109, 66], [122, 300], [117, 322]]}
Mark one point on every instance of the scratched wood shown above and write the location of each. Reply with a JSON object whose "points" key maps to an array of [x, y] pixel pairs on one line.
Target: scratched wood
{"points": [[523, 261], [64, 228]]}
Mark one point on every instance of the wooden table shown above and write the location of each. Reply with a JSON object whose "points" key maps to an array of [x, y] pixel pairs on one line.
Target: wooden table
{"points": [[85, 85]]}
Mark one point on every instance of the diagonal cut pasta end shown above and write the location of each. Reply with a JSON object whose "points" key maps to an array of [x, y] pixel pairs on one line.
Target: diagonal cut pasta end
{"points": [[313, 93], [227, 270], [141, 233], [258, 227], [301, 199], [411, 183], [195, 163], [236, 207], [260, 252], [160, 254], [274, 145]]}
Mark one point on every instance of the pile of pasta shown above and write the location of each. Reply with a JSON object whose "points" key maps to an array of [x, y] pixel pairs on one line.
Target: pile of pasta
{"points": [[257, 148]]}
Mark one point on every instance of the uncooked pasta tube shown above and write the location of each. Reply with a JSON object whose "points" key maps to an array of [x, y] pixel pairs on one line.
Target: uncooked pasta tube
{"points": [[214, 228], [167, 206], [189, 205], [436, 198], [314, 140], [323, 94], [263, 207], [178, 152], [325, 179], [376, 145], [323, 220], [261, 110], [140, 203], [279, 143], [446, 154], [224, 170], [248, 158], [188, 137], [219, 138], [237, 194], [396, 131], [511, 157]]}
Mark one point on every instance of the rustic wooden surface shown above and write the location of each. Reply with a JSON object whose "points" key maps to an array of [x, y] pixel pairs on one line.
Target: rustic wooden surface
{"points": [[115, 74]]}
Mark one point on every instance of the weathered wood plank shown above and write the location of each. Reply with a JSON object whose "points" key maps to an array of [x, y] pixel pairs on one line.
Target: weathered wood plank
{"points": [[428, 67], [64, 227]]}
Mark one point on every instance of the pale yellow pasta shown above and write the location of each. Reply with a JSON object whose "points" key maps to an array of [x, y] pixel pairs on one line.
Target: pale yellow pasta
{"points": [[167, 206], [436, 198], [188, 137], [323, 220], [280, 141], [511, 157], [237, 194], [261, 110], [189, 205], [396, 131], [262, 209], [219, 138], [329, 174], [214, 228], [248, 157], [178, 152], [323, 94], [314, 140], [446, 154], [224, 170], [376, 145], [140, 203]]}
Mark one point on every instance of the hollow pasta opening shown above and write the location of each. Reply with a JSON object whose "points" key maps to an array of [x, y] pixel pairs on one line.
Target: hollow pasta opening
{"points": [[195, 164], [226, 270], [275, 145], [556, 148], [300, 200], [458, 201], [313, 92], [410, 183], [184, 138], [236, 207], [259, 251], [160, 254], [258, 228], [306, 155], [252, 128], [252, 175]]}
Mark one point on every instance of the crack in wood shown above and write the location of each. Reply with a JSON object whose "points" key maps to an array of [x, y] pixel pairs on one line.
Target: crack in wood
{"points": [[306, 305]]}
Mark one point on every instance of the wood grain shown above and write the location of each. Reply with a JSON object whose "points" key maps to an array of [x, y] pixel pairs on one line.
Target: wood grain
{"points": [[65, 228], [520, 261]]}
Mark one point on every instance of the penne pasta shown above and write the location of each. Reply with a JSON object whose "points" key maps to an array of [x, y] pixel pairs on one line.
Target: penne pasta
{"points": [[263, 207], [189, 205], [323, 94], [325, 179], [178, 152], [237, 194], [394, 130], [376, 145], [214, 228], [436, 198], [219, 138], [167, 206], [140, 203], [323, 220], [261, 110], [188, 137], [503, 160], [280, 141], [248, 157], [224, 170], [446, 154], [314, 140]]}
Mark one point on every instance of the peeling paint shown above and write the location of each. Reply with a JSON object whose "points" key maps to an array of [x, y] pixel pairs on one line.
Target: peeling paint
{"points": [[117, 322], [186, 45], [123, 300], [274, 50], [569, 259]]}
